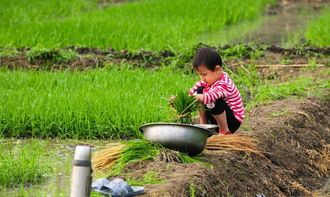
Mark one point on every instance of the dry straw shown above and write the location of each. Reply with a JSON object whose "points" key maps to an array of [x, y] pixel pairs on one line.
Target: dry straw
{"points": [[106, 158], [233, 142]]}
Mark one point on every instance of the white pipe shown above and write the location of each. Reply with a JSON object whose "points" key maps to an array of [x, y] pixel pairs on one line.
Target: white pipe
{"points": [[81, 173]]}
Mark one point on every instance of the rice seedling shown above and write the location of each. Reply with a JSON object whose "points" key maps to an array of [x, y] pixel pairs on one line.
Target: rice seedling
{"points": [[90, 104], [114, 103], [118, 155], [22, 164], [154, 24], [115, 156], [184, 105], [317, 31]]}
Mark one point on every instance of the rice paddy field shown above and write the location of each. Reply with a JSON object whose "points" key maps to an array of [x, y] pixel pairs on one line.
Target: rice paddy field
{"points": [[92, 72]]}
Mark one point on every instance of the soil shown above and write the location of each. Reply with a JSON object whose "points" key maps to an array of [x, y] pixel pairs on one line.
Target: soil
{"points": [[89, 58], [294, 137]]}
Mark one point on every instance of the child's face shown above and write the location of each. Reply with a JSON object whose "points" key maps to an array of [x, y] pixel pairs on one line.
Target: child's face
{"points": [[207, 75]]}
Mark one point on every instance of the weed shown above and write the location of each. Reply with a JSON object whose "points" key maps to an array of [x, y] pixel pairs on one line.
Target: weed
{"points": [[150, 177], [286, 61], [51, 54], [192, 190], [22, 164], [239, 51], [280, 113]]}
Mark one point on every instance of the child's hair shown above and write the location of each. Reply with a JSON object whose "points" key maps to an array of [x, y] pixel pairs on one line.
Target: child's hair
{"points": [[207, 56]]}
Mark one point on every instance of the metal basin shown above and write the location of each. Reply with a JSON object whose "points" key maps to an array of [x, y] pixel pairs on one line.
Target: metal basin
{"points": [[185, 138]]}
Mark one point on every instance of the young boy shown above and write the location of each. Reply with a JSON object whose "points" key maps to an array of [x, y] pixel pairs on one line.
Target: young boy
{"points": [[222, 100]]}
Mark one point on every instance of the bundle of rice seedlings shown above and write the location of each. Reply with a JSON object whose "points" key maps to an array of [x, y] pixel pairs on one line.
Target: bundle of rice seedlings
{"points": [[232, 142], [116, 156], [183, 105]]}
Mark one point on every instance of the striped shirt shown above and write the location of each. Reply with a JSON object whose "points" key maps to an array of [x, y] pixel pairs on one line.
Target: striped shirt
{"points": [[223, 88]]}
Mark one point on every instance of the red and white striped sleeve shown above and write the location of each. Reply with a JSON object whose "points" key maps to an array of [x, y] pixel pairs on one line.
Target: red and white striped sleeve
{"points": [[216, 91], [195, 87]]}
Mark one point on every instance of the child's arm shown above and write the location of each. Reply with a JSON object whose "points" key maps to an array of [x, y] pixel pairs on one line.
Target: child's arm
{"points": [[215, 93], [196, 86]]}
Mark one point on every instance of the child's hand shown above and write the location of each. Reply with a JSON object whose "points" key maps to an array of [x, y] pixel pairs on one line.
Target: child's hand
{"points": [[171, 100], [199, 97]]}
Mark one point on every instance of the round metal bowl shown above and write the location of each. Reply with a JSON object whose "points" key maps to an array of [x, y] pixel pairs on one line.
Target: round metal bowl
{"points": [[185, 138]]}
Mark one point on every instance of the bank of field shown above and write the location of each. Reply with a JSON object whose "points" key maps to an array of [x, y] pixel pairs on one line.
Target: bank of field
{"points": [[318, 31], [152, 24], [107, 103]]}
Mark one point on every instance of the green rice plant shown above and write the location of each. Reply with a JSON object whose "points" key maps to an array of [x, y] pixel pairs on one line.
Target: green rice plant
{"points": [[105, 103], [184, 105], [16, 12], [138, 150], [114, 102], [317, 31], [9, 52], [153, 24], [22, 164]]}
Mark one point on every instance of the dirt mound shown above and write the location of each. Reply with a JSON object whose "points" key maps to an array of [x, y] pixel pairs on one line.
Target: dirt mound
{"points": [[81, 58], [294, 136]]}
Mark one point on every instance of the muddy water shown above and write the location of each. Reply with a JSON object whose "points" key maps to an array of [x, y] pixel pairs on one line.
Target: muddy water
{"points": [[286, 22], [59, 154]]}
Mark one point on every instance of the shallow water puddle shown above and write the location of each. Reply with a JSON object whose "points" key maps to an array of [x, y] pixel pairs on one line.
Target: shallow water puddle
{"points": [[59, 155]]}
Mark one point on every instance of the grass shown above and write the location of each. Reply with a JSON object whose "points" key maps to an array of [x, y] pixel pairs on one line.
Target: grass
{"points": [[151, 177], [115, 102], [22, 164], [153, 24], [318, 30]]}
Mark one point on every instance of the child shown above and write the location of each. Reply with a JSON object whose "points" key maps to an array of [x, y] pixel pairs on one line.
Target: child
{"points": [[218, 93]]}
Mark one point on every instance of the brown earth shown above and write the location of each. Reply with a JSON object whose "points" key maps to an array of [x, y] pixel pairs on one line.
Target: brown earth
{"points": [[89, 58], [294, 136]]}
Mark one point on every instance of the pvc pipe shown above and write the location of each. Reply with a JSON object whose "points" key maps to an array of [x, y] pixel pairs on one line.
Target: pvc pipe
{"points": [[81, 173]]}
